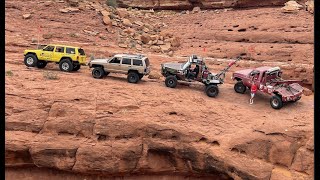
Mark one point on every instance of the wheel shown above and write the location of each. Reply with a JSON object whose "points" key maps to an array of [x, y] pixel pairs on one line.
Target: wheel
{"points": [[41, 64], [30, 60], [98, 72], [239, 87], [76, 67], [171, 81], [212, 90], [140, 76], [66, 65], [133, 77], [276, 102]]}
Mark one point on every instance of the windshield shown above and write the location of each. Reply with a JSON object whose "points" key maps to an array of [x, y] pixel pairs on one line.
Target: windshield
{"points": [[81, 52]]}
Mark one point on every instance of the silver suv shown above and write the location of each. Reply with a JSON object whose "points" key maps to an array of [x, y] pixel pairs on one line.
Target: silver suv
{"points": [[135, 66]]}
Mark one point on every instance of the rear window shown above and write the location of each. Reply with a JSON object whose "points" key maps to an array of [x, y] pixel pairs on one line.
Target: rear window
{"points": [[137, 62], [126, 61], [81, 52], [147, 62], [70, 50]]}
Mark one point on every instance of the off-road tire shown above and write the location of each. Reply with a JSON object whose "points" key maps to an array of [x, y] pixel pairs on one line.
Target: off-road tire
{"points": [[239, 87], [98, 72], [76, 67], [133, 77], [212, 90], [171, 81], [276, 102], [41, 64], [66, 65], [140, 76], [30, 60]]}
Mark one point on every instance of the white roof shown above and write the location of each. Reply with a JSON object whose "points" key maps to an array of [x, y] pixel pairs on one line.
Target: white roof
{"points": [[130, 55]]}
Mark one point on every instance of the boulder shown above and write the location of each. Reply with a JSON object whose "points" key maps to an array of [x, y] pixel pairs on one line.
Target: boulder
{"points": [[47, 36], [30, 121], [160, 42], [155, 48], [70, 9], [282, 153], [145, 38], [310, 144], [26, 16], [170, 53], [307, 92], [196, 10], [175, 42], [166, 34], [146, 30], [281, 174], [165, 48], [114, 23], [48, 3], [303, 161], [291, 7], [105, 13], [73, 3], [154, 42], [138, 47], [122, 45], [154, 37], [154, 75], [122, 13], [126, 22], [129, 31], [54, 154], [107, 20], [310, 6], [139, 23]]}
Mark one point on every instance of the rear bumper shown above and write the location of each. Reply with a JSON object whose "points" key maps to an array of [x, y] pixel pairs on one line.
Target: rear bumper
{"points": [[292, 98], [147, 71], [81, 63]]}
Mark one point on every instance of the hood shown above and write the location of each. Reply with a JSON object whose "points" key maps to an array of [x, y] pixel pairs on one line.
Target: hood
{"points": [[176, 66], [245, 72], [32, 50]]}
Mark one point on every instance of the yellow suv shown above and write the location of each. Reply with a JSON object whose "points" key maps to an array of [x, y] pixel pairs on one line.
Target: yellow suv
{"points": [[69, 58]]}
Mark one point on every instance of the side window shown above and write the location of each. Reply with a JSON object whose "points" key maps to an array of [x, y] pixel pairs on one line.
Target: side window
{"points": [[137, 62], [115, 60], [70, 50], [59, 49], [49, 48], [126, 61]]}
